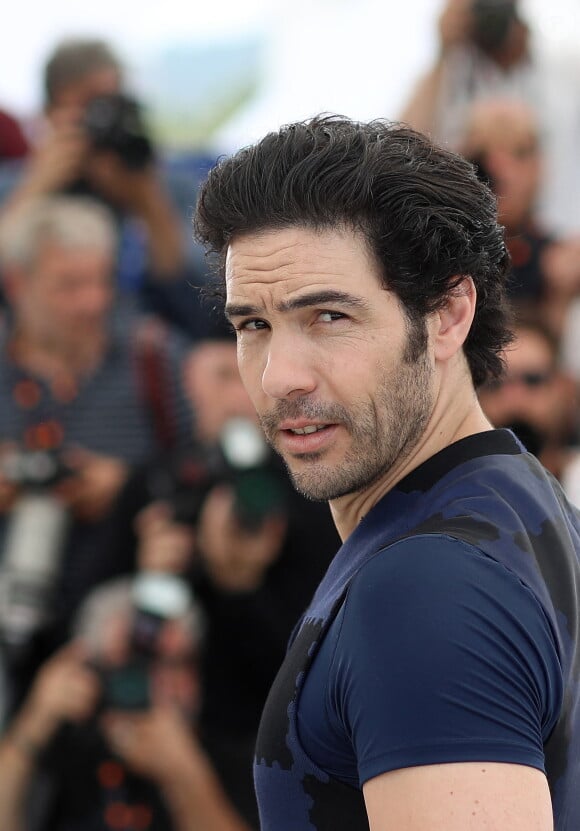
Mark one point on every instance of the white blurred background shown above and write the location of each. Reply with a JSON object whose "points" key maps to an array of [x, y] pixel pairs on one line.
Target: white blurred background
{"points": [[244, 67]]}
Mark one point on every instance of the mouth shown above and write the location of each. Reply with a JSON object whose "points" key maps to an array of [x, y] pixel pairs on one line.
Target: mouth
{"points": [[304, 438], [308, 430]]}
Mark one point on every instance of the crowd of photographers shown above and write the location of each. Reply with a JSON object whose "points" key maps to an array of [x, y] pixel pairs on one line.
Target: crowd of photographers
{"points": [[154, 557], [498, 96]]}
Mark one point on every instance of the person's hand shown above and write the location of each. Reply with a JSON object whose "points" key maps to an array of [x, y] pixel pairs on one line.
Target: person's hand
{"points": [[141, 194], [236, 559], [157, 743], [8, 494], [94, 484], [132, 190], [59, 159], [160, 745], [9, 491], [64, 689], [164, 545], [455, 24]]}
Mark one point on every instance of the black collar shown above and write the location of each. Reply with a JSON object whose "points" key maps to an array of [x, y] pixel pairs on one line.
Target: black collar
{"points": [[489, 443]]}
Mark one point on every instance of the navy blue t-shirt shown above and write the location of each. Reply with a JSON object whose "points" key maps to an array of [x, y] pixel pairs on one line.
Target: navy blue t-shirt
{"points": [[447, 666], [445, 630]]}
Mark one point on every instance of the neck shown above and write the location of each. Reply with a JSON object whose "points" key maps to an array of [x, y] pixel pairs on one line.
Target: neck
{"points": [[456, 415], [51, 357]]}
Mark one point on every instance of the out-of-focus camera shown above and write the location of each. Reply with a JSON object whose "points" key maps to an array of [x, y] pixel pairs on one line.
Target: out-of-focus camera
{"points": [[115, 122], [31, 469], [243, 461], [156, 599], [34, 540], [491, 23]]}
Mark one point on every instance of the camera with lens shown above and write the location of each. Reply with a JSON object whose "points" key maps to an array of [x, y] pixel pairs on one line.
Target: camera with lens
{"points": [[115, 122], [491, 23], [33, 469], [156, 598], [243, 461], [35, 535]]}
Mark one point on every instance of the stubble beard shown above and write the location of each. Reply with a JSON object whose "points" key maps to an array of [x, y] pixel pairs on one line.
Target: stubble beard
{"points": [[382, 434]]}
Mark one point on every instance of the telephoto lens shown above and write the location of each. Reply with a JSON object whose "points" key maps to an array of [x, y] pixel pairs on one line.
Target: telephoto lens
{"points": [[36, 531]]}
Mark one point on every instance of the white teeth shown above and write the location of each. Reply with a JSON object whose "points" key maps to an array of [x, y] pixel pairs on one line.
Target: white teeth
{"points": [[304, 431]]}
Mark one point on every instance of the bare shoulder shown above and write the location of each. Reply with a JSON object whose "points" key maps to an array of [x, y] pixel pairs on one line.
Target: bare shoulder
{"points": [[466, 796]]}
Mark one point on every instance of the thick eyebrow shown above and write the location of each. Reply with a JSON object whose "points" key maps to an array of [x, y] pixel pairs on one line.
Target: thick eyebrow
{"points": [[316, 298]]}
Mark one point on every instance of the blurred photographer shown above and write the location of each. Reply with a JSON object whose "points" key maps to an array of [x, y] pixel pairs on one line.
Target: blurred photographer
{"points": [[88, 749], [486, 50], [96, 142], [76, 413], [535, 397], [503, 141], [251, 547]]}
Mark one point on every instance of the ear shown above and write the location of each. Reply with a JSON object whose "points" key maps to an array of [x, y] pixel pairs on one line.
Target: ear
{"points": [[453, 321]]}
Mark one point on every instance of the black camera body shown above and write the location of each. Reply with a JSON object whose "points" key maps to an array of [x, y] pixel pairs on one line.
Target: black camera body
{"points": [[491, 23], [115, 122], [243, 461], [156, 598], [34, 469]]}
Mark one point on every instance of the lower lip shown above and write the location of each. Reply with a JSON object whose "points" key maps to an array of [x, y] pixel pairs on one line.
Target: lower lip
{"points": [[308, 443]]}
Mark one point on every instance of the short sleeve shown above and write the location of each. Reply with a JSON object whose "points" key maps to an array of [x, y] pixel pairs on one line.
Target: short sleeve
{"points": [[439, 654]]}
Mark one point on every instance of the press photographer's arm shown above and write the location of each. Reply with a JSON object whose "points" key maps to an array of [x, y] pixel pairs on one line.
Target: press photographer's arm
{"points": [[96, 141], [236, 558], [155, 741], [159, 745], [64, 690]]}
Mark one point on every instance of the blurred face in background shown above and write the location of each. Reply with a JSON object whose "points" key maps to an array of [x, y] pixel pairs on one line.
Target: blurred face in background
{"points": [[64, 298], [532, 397], [213, 385], [503, 138], [77, 94]]}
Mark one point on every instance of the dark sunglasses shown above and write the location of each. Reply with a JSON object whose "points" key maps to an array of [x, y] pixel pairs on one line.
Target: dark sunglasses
{"points": [[528, 379]]}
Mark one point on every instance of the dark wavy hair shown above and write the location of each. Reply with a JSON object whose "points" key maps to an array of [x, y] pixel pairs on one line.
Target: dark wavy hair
{"points": [[424, 213]]}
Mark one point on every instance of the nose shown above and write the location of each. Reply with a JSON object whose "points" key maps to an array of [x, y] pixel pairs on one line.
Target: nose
{"points": [[289, 370]]}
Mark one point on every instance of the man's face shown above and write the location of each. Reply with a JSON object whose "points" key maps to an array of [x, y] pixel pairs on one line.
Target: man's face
{"points": [[65, 296], [506, 140], [77, 94], [212, 381], [324, 352], [529, 392]]}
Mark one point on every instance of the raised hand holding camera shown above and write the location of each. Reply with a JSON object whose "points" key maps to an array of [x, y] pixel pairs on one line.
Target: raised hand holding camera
{"points": [[94, 483], [235, 556], [164, 544], [58, 161]]}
